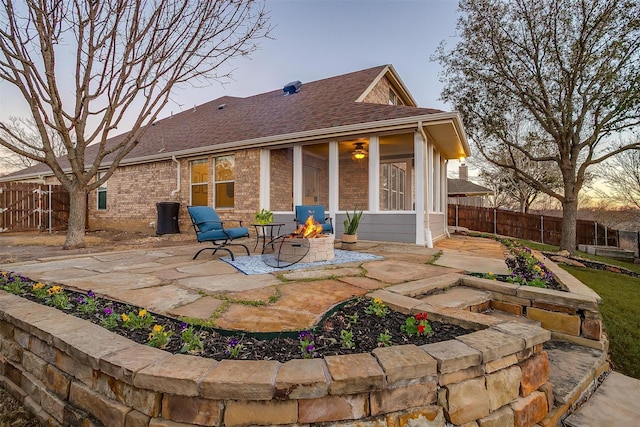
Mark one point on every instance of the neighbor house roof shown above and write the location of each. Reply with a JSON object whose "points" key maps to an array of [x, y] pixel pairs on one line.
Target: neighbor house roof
{"points": [[462, 187], [325, 108]]}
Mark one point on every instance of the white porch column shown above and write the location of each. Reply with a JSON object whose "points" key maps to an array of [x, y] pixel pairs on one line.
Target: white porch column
{"points": [[334, 190], [265, 179], [419, 152], [374, 174], [297, 175]]}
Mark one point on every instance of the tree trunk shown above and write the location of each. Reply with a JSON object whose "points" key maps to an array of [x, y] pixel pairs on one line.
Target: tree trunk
{"points": [[77, 219], [569, 221]]}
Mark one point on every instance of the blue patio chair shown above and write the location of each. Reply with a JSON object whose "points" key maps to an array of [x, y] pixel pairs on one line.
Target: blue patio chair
{"points": [[209, 228], [303, 212]]}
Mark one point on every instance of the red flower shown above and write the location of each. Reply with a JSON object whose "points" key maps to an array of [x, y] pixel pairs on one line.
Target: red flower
{"points": [[421, 316], [421, 329]]}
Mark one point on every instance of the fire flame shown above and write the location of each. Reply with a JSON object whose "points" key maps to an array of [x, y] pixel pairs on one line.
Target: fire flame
{"points": [[311, 228]]}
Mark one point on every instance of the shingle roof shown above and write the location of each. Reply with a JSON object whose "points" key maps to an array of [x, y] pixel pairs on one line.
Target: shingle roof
{"points": [[462, 187], [321, 104]]}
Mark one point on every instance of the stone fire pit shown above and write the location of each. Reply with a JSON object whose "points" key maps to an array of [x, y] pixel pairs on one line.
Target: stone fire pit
{"points": [[319, 248]]}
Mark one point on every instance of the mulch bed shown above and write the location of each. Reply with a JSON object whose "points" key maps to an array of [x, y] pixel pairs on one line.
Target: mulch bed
{"points": [[597, 265], [283, 346]]}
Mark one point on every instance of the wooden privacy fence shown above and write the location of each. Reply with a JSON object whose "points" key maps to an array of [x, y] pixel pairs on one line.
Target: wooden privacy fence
{"points": [[538, 228], [25, 207]]}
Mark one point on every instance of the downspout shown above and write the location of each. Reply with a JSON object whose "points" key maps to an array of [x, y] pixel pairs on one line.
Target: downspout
{"points": [[177, 190], [427, 227]]}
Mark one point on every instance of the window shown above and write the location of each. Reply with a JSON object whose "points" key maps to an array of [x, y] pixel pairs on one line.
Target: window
{"points": [[392, 184], [199, 182], [102, 194], [224, 182], [394, 99]]}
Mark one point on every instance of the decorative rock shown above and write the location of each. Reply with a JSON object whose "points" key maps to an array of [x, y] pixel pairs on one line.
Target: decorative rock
{"points": [[32, 386], [426, 285], [52, 405], [107, 411], [529, 410], [403, 364], [71, 366], [244, 413], [560, 298], [192, 410], [57, 381], [456, 316], [461, 375], [42, 350], [431, 416], [490, 285], [492, 344], [503, 387], [515, 309], [535, 372], [124, 364], [564, 260], [559, 322], [137, 419], [333, 408], [554, 307], [11, 350], [468, 401], [241, 379], [532, 335], [453, 355], [459, 297], [496, 365], [591, 329], [302, 379], [397, 399], [176, 374], [547, 389], [500, 418], [145, 401], [395, 302], [354, 373]]}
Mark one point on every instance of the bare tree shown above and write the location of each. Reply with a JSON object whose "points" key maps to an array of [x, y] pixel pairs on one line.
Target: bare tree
{"points": [[622, 176], [26, 130], [569, 68], [114, 59]]}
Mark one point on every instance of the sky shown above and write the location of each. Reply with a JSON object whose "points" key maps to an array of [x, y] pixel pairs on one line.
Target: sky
{"points": [[316, 39]]}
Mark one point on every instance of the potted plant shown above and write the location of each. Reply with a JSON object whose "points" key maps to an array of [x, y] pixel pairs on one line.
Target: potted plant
{"points": [[263, 217], [351, 224]]}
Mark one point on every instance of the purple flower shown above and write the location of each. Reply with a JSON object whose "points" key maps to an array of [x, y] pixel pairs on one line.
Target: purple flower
{"points": [[309, 349], [80, 300], [91, 294], [183, 326], [108, 311], [305, 335], [233, 343]]}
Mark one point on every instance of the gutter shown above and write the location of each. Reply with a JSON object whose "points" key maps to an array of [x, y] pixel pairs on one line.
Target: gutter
{"points": [[290, 138], [177, 190]]}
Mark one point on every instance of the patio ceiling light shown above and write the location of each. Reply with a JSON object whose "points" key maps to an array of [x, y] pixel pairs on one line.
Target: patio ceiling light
{"points": [[359, 152]]}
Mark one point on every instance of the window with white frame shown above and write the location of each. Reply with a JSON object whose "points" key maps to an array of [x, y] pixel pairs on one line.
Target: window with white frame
{"points": [[102, 194], [392, 186], [224, 183], [199, 182]]}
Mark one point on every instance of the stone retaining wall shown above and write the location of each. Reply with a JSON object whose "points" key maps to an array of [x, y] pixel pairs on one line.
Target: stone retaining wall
{"points": [[71, 372]]}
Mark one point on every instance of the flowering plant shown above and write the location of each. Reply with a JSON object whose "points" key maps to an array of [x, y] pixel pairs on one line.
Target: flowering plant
{"points": [[158, 337], [58, 298], [39, 290], [110, 319], [12, 283], [307, 344], [377, 307], [87, 305], [137, 321], [416, 325], [234, 348]]}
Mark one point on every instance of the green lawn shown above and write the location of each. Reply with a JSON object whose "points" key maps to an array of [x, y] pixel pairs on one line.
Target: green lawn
{"points": [[620, 309]]}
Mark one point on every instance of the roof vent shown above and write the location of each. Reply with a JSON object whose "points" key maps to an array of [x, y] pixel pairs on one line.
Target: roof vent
{"points": [[221, 106], [291, 88]]}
